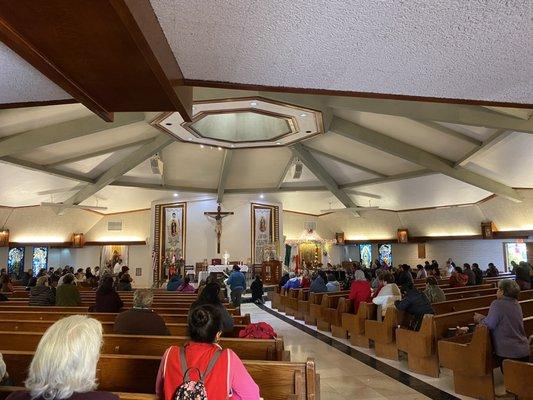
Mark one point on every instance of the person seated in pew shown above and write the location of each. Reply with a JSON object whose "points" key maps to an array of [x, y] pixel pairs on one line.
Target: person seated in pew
{"points": [[224, 374], [458, 279], [186, 286], [284, 279], [293, 282], [523, 273], [5, 380], [211, 295], [64, 364], [6, 284], [257, 290], [422, 273], [68, 295], [492, 271], [319, 283], [107, 299], [505, 322], [80, 276], [416, 304], [404, 277], [433, 292], [478, 273], [174, 282], [42, 294], [360, 291], [467, 270], [124, 280], [141, 319], [306, 282], [388, 293], [333, 285]]}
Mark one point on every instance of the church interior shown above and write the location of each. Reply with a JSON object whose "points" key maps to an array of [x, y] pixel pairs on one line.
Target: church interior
{"points": [[304, 159]]}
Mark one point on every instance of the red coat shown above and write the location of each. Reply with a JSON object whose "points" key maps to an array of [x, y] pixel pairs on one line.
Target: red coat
{"points": [[360, 292], [306, 282]]}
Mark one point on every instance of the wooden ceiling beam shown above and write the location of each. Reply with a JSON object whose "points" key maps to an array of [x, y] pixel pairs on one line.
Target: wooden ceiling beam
{"points": [[42, 168], [494, 139], [346, 162], [110, 55], [224, 172]]}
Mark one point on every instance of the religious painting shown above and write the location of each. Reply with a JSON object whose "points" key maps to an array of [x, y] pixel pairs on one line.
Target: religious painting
{"points": [[113, 253], [365, 254], [515, 252], [169, 238], [310, 255], [265, 232], [39, 259], [385, 254], [15, 262]]}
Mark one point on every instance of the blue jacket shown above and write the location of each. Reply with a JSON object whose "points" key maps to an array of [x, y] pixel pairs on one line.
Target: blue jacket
{"points": [[293, 283], [318, 285], [237, 281], [174, 283]]}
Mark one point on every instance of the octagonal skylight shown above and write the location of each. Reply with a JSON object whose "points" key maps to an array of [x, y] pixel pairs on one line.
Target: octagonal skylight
{"points": [[242, 123]]}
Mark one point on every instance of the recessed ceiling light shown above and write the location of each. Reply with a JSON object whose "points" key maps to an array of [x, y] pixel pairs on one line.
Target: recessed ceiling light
{"points": [[175, 195], [253, 103], [232, 145], [220, 148], [202, 146], [262, 195], [278, 143], [303, 115]]}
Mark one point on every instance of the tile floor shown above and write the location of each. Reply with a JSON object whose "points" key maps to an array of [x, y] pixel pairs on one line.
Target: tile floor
{"points": [[341, 376]]}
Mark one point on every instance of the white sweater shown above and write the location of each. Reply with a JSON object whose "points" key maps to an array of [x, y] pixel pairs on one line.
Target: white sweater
{"points": [[387, 296]]}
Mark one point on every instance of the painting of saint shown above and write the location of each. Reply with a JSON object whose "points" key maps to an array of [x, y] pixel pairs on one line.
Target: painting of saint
{"points": [[264, 232]]}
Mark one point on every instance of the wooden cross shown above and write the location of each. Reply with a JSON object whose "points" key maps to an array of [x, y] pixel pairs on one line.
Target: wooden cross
{"points": [[218, 216]]}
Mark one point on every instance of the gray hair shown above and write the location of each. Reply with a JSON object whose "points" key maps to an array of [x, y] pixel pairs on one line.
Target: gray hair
{"points": [[3, 369], [66, 358], [359, 275], [509, 288], [143, 298]]}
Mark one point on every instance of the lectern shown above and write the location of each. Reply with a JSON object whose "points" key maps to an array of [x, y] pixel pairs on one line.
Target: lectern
{"points": [[271, 272]]}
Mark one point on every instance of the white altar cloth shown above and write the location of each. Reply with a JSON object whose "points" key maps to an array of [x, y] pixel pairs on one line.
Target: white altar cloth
{"points": [[221, 268]]}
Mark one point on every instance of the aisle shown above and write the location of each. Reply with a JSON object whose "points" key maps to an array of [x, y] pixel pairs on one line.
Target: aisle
{"points": [[341, 376]]}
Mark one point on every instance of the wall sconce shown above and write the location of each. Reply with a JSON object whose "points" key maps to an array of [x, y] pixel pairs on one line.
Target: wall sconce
{"points": [[78, 240], [4, 237]]}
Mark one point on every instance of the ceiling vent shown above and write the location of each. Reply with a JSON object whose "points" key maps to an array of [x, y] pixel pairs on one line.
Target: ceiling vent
{"points": [[114, 225], [156, 164]]}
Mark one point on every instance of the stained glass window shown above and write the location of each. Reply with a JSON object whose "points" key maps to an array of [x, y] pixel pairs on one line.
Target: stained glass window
{"points": [[515, 252], [15, 262], [365, 255], [40, 259], [385, 254]]}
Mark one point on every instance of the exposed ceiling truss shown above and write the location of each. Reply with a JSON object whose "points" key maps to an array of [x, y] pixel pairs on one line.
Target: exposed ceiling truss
{"points": [[320, 172], [421, 157], [224, 171], [494, 139]]}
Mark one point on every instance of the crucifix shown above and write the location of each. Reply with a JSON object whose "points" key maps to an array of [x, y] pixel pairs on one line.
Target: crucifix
{"points": [[218, 216]]}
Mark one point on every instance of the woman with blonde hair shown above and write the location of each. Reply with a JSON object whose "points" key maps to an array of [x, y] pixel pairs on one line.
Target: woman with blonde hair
{"points": [[64, 364]]}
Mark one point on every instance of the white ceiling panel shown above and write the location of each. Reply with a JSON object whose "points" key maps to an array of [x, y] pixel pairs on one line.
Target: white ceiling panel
{"points": [[361, 154], [509, 161], [16, 120], [461, 49], [342, 173], [20, 82]]}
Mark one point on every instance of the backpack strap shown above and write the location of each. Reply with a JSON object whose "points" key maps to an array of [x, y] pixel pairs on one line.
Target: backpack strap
{"points": [[211, 364]]}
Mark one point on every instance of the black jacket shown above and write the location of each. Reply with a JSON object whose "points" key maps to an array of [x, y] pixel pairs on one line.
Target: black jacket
{"points": [[479, 275], [417, 304], [257, 289]]}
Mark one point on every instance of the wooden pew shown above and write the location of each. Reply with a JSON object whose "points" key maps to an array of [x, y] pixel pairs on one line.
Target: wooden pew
{"points": [[383, 333], [82, 310], [277, 380], [517, 377], [41, 326], [291, 307], [471, 360], [476, 302], [329, 314], [274, 304], [303, 305], [102, 317], [354, 324], [7, 390], [248, 349], [315, 305]]}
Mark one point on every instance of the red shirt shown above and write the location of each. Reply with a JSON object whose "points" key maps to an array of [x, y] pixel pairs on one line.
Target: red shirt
{"points": [[360, 292], [306, 282]]}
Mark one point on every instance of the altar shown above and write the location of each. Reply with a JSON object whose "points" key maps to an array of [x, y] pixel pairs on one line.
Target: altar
{"points": [[202, 276]]}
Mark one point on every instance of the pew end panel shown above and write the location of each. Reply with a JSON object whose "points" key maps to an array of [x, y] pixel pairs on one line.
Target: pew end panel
{"points": [[517, 377], [471, 363]]}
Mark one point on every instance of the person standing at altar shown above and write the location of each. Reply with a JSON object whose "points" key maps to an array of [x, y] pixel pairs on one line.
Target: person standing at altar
{"points": [[237, 285], [117, 269]]}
